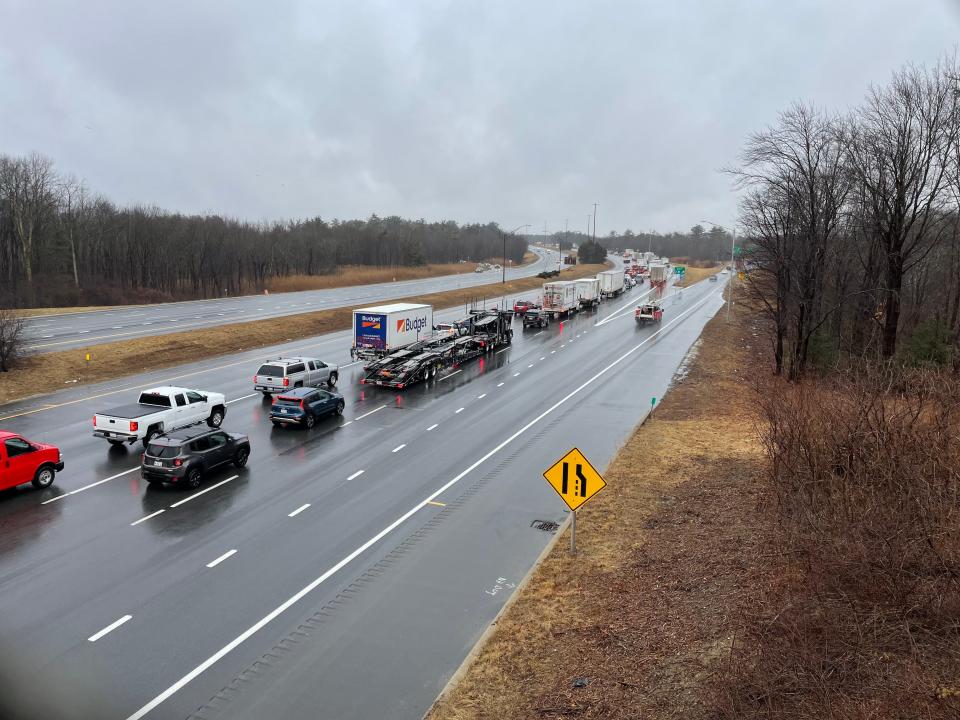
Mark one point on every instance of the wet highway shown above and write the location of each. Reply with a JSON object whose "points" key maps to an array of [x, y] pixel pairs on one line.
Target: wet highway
{"points": [[347, 570], [50, 333]]}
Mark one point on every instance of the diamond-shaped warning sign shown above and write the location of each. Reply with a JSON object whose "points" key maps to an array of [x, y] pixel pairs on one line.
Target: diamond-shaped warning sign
{"points": [[574, 479]]}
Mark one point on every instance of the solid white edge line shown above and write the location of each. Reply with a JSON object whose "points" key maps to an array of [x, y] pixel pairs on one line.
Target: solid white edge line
{"points": [[109, 628], [299, 510], [428, 430], [58, 497], [205, 490], [280, 609], [223, 557], [244, 397], [144, 519], [398, 448], [357, 474], [361, 417], [355, 362]]}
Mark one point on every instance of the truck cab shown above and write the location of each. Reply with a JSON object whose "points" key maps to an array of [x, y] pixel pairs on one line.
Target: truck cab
{"points": [[24, 461]]}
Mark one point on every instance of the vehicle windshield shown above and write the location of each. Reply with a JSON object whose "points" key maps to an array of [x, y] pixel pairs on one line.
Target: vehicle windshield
{"points": [[272, 370], [154, 399], [163, 451]]}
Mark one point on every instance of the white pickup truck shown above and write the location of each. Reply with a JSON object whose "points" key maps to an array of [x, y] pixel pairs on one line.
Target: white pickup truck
{"points": [[158, 411]]}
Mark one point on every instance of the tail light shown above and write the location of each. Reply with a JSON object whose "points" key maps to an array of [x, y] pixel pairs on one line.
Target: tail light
{"points": [[302, 407], [399, 387], [255, 378], [286, 382], [178, 462], [134, 426], [94, 420]]}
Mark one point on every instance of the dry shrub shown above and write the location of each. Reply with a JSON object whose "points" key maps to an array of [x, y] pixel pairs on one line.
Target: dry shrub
{"points": [[860, 617]]}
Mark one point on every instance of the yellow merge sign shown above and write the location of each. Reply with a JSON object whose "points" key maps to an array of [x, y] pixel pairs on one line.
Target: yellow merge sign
{"points": [[574, 479]]}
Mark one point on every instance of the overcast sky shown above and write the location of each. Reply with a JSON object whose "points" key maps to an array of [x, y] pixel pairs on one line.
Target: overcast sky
{"points": [[513, 112]]}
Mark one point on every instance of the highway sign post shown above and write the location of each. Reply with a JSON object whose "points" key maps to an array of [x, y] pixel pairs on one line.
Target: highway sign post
{"points": [[576, 481]]}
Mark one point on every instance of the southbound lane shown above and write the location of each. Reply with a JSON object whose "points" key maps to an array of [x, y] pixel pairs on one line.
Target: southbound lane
{"points": [[50, 333], [407, 603]]}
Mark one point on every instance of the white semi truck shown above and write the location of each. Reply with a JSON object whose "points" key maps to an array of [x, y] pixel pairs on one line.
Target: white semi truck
{"points": [[588, 292], [611, 283], [560, 298]]}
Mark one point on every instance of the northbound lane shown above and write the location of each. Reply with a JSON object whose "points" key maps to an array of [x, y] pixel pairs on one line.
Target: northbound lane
{"points": [[50, 333]]}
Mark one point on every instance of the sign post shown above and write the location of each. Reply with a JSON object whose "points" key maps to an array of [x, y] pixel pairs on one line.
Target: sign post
{"points": [[576, 481]]}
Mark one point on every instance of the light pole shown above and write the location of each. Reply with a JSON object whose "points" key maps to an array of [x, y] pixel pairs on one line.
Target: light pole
{"points": [[504, 236], [595, 221], [733, 244]]}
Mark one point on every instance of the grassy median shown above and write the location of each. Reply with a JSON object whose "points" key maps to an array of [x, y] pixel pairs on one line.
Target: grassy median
{"points": [[37, 374], [637, 623]]}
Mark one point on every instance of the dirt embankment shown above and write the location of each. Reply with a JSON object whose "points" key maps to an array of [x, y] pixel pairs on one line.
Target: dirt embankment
{"points": [[636, 624], [45, 373]]}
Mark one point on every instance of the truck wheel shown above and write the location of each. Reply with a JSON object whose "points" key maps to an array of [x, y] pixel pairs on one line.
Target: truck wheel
{"points": [[152, 432], [194, 477], [216, 417], [240, 459], [44, 477], [332, 379]]}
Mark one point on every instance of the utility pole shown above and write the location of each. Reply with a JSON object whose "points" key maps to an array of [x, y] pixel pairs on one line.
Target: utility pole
{"points": [[733, 244], [595, 221]]}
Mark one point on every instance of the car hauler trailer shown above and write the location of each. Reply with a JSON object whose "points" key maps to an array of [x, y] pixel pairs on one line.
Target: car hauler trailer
{"points": [[480, 333], [385, 328], [588, 292], [611, 283], [560, 298]]}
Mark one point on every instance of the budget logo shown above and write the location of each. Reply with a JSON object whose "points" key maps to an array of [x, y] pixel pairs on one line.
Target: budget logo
{"points": [[370, 323], [416, 324]]}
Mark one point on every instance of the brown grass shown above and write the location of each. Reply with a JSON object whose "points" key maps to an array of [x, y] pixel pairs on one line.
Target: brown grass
{"points": [[362, 275], [696, 274], [38, 374], [645, 610]]}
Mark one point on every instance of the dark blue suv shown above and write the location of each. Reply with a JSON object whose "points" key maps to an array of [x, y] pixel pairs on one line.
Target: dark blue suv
{"points": [[302, 406]]}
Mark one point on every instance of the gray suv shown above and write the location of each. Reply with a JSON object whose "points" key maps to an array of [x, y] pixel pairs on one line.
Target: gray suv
{"points": [[286, 373]]}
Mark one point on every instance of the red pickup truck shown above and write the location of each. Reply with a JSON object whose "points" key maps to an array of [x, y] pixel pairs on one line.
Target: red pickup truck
{"points": [[23, 461]]}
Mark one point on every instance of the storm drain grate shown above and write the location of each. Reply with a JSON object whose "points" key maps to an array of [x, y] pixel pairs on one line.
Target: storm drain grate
{"points": [[546, 525]]}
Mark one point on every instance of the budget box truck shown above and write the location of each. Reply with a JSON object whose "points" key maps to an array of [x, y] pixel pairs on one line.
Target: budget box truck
{"points": [[385, 328]]}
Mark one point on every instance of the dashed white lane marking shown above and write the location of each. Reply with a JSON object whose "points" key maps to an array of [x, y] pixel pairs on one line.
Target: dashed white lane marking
{"points": [[109, 628], [223, 557], [398, 448], [359, 550], [456, 372], [44, 337], [92, 485], [539, 333], [82, 332], [355, 362], [361, 417], [543, 358], [552, 352], [244, 397], [516, 374], [529, 366], [348, 422], [299, 510], [202, 492], [481, 397], [357, 474], [564, 345], [117, 327], [500, 384], [460, 410], [500, 351], [432, 427], [144, 519]]}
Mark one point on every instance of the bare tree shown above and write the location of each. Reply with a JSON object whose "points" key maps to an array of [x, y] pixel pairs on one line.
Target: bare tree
{"points": [[11, 330], [900, 143]]}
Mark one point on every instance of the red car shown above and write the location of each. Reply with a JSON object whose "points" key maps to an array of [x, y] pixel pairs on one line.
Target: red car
{"points": [[22, 461], [521, 306]]}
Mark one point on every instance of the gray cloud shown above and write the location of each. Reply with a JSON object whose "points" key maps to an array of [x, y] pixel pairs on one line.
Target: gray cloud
{"points": [[472, 111]]}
